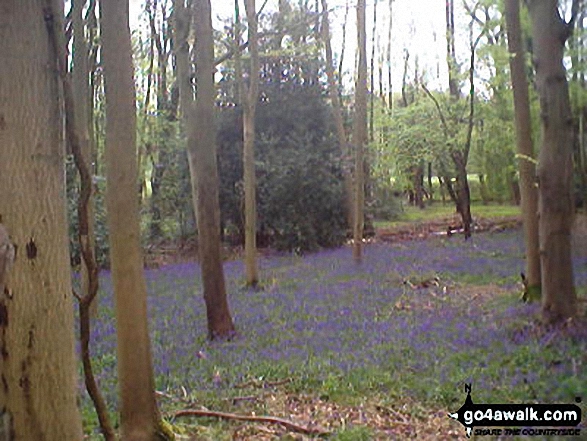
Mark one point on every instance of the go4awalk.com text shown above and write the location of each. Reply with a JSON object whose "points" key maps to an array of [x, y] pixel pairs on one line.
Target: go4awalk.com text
{"points": [[518, 419]]}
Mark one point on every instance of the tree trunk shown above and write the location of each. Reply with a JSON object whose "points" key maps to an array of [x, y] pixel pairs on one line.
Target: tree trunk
{"points": [[201, 128], [418, 182], [555, 167], [343, 46], [360, 133], [451, 58], [337, 113], [37, 357], [483, 189], [463, 195], [250, 106], [138, 408], [81, 87], [372, 77], [390, 90]]}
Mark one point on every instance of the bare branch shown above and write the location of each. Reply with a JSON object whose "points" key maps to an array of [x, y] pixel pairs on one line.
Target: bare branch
{"points": [[438, 108], [258, 419]]}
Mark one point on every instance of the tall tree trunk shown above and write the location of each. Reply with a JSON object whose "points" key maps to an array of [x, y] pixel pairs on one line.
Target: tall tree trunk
{"points": [[81, 87], [555, 167], [201, 128], [372, 77], [389, 85], [451, 58], [360, 133], [135, 374], [337, 112], [249, 108], [37, 357], [343, 45]]}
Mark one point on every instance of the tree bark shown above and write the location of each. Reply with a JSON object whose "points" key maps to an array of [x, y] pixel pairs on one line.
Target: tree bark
{"points": [[337, 113], [139, 419], [451, 58], [201, 128], [360, 133], [389, 84], [250, 106], [38, 389], [81, 87], [555, 166]]}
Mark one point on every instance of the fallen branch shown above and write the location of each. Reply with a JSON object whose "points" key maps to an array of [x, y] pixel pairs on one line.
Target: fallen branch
{"points": [[258, 419]]}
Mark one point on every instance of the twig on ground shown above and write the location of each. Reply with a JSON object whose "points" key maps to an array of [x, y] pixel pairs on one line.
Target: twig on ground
{"points": [[253, 418]]}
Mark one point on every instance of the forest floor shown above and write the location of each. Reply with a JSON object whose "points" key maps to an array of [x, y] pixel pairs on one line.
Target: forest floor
{"points": [[377, 351]]}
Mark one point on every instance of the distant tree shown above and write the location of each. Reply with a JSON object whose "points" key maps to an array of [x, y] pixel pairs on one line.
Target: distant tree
{"points": [[360, 132], [38, 393], [526, 165], [139, 417], [249, 178], [201, 132], [555, 165]]}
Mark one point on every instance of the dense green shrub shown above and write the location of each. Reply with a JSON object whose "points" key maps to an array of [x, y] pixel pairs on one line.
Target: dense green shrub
{"points": [[300, 196]]}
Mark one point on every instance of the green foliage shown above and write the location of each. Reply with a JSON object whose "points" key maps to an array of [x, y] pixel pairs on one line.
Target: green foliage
{"points": [[300, 197]]}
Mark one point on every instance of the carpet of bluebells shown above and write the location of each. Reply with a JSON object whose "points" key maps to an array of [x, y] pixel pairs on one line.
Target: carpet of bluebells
{"points": [[327, 322]]}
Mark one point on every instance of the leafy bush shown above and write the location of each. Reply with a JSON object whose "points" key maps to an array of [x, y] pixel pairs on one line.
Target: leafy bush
{"points": [[300, 197]]}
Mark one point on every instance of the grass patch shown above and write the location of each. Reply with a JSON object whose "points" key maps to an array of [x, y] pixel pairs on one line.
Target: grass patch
{"points": [[437, 211]]}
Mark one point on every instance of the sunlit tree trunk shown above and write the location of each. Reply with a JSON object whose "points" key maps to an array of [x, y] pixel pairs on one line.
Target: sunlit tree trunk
{"points": [[135, 375], [526, 165], [38, 387], [555, 166], [360, 133], [201, 132], [249, 108]]}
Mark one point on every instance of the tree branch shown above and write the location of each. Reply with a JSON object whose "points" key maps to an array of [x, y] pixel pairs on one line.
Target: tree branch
{"points": [[440, 114], [258, 419]]}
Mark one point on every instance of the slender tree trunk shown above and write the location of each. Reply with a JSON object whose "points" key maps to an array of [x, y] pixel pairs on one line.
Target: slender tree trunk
{"points": [[451, 59], [360, 133], [337, 113], [555, 167], [372, 79], [81, 87], [483, 189], [389, 85], [201, 128], [251, 271], [343, 45], [135, 374], [430, 186], [38, 390]]}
